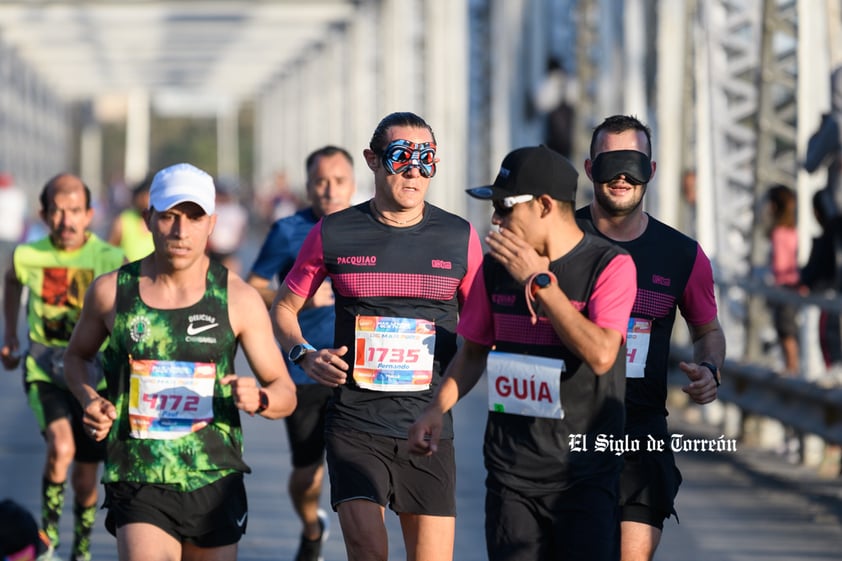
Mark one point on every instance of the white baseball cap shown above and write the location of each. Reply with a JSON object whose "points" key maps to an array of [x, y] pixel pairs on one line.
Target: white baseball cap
{"points": [[181, 183]]}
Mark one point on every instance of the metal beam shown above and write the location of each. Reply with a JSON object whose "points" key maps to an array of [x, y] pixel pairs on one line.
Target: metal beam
{"points": [[85, 48]]}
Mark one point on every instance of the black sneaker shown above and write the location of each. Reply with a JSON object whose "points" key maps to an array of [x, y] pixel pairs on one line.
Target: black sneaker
{"points": [[311, 550]]}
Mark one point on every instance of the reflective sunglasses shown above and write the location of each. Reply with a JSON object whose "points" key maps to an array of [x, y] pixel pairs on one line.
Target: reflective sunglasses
{"points": [[401, 155], [505, 206]]}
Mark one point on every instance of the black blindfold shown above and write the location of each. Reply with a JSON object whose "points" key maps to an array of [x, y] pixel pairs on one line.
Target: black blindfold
{"points": [[636, 166]]}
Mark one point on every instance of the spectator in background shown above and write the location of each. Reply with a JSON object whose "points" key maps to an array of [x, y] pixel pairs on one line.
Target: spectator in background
{"points": [[13, 224], [784, 264], [284, 201], [819, 276], [783, 239], [118, 194], [825, 149], [552, 99], [129, 231], [230, 230], [277, 199], [688, 200]]}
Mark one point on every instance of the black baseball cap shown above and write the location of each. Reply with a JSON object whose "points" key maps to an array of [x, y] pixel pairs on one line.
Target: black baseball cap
{"points": [[533, 170], [18, 532]]}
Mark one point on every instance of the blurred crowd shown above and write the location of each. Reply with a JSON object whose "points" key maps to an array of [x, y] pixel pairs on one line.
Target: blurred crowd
{"points": [[118, 218]]}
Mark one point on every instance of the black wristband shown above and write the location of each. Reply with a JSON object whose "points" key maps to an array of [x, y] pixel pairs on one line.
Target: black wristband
{"points": [[713, 369], [264, 403]]}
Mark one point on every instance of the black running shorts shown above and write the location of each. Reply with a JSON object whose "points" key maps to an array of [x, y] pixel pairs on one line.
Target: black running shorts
{"points": [[50, 402], [648, 486], [215, 515], [580, 523], [382, 470], [306, 425]]}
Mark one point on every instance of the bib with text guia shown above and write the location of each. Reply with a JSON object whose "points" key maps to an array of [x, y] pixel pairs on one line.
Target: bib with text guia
{"points": [[525, 385]]}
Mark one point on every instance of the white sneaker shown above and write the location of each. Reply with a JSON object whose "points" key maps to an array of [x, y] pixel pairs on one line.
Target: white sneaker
{"points": [[49, 555]]}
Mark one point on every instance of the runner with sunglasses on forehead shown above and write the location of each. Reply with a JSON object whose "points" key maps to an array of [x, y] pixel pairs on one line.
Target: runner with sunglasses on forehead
{"points": [[400, 270], [672, 273], [546, 319]]}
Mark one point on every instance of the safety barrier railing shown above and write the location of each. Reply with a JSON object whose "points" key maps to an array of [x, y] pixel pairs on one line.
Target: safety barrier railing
{"points": [[806, 406]]}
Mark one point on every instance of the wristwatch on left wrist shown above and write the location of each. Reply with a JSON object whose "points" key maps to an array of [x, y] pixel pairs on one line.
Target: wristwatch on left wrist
{"points": [[539, 281], [297, 352], [714, 370]]}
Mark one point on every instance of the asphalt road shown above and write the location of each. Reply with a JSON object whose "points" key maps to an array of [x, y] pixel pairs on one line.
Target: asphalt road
{"points": [[742, 506]]}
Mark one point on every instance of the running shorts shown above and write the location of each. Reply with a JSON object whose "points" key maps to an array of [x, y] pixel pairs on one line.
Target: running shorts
{"points": [[649, 484], [50, 402], [306, 425], [580, 523], [215, 515], [381, 469]]}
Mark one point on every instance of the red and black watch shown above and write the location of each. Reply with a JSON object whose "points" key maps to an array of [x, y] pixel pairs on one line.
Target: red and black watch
{"points": [[539, 281]]}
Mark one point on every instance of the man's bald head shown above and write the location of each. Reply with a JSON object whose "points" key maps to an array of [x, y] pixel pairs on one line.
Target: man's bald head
{"points": [[63, 183]]}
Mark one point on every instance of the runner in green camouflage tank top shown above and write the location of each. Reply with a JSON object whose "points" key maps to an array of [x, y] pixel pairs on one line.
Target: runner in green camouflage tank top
{"points": [[175, 426], [170, 415]]}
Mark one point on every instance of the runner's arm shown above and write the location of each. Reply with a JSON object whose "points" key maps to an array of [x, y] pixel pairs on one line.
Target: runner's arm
{"points": [[595, 338], [462, 374], [253, 328], [708, 346], [284, 311], [89, 333], [708, 342], [264, 287], [597, 346], [12, 292], [324, 366]]}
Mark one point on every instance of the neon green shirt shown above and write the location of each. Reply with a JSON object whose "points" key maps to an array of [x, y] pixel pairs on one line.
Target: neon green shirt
{"points": [[57, 281], [136, 239]]}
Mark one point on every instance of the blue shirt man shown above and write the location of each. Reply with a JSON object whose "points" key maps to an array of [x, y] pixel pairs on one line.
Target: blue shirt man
{"points": [[330, 187], [276, 257]]}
